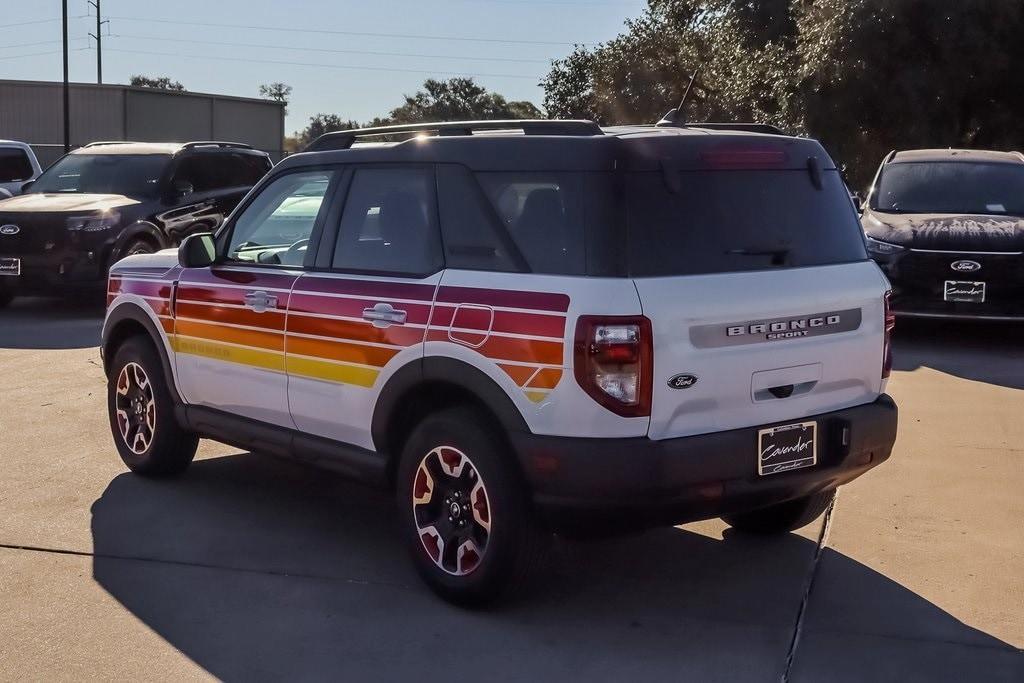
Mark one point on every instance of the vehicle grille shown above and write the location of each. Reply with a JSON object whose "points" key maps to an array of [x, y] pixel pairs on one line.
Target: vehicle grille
{"points": [[35, 231], [921, 275]]}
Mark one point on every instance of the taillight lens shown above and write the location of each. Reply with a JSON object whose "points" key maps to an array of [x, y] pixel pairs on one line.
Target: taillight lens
{"points": [[613, 362], [890, 324]]}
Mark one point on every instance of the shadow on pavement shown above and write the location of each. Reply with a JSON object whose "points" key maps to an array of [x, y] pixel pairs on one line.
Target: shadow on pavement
{"points": [[257, 568], [983, 352], [68, 323]]}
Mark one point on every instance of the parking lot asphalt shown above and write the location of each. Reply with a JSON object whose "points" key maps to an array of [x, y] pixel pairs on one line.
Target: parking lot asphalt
{"points": [[253, 568]]}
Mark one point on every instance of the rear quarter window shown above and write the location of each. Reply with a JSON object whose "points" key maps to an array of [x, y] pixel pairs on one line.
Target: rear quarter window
{"points": [[14, 165], [727, 221]]}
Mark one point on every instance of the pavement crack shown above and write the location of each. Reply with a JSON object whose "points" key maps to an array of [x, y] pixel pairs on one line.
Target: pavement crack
{"points": [[200, 565], [808, 587]]}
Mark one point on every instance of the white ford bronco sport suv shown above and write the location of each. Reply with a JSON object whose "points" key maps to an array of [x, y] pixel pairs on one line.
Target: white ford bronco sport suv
{"points": [[523, 327]]}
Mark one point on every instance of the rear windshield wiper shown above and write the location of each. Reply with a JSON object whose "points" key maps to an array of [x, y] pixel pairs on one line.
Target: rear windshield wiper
{"points": [[778, 255]]}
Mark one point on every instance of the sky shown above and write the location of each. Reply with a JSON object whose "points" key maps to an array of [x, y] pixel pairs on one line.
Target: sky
{"points": [[322, 48]]}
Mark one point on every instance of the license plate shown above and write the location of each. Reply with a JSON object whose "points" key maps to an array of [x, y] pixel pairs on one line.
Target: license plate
{"points": [[10, 266], [970, 292], [788, 447]]}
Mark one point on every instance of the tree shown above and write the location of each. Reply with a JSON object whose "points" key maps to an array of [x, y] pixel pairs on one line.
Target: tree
{"points": [[279, 92], [863, 76], [159, 82], [323, 123], [458, 99]]}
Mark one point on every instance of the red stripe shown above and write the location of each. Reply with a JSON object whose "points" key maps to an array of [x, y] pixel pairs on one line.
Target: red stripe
{"points": [[353, 308], [378, 291], [140, 287], [345, 330], [220, 295], [542, 301], [507, 348], [217, 276], [535, 324]]}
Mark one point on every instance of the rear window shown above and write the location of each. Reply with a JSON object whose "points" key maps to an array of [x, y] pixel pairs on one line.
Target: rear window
{"points": [[718, 221], [14, 165]]}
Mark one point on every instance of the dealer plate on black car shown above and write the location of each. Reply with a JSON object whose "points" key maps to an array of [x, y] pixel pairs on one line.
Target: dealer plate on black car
{"points": [[970, 292], [10, 266], [788, 447]]}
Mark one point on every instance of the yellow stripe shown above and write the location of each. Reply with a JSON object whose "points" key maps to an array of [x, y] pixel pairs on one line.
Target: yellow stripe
{"points": [[348, 374], [269, 360], [536, 396]]}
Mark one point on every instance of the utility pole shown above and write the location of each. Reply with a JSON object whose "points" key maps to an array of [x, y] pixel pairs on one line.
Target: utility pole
{"points": [[67, 112], [99, 41]]}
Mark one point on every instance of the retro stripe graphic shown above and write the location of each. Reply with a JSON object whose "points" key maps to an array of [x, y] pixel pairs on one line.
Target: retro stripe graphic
{"points": [[523, 333]]}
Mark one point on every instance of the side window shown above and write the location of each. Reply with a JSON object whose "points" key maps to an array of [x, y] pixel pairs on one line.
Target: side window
{"points": [[275, 228], [14, 165], [388, 223], [543, 212], [473, 240], [195, 170]]}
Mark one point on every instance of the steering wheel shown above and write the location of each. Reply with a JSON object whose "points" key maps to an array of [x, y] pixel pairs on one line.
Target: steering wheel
{"points": [[294, 251]]}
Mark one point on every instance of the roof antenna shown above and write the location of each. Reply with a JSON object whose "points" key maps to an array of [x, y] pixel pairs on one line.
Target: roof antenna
{"points": [[677, 117]]}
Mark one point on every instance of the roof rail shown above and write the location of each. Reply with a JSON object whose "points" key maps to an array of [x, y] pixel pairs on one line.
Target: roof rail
{"points": [[215, 143], [344, 139], [746, 127], [102, 143]]}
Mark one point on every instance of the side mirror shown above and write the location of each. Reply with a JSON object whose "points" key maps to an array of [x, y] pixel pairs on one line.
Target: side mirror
{"points": [[197, 251], [27, 184]]}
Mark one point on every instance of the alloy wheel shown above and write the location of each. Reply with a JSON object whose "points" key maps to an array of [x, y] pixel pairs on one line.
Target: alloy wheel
{"points": [[136, 408]]}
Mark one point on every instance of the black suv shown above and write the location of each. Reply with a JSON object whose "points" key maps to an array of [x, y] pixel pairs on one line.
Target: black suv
{"points": [[108, 200], [947, 227]]}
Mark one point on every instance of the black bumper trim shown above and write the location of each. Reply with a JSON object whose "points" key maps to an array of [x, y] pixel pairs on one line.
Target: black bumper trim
{"points": [[640, 481]]}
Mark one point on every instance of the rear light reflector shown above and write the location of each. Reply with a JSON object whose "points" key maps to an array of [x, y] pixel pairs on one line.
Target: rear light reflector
{"points": [[613, 362], [890, 325]]}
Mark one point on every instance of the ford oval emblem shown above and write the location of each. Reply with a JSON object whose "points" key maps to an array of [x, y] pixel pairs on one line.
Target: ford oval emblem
{"points": [[9, 229], [682, 381], [965, 266]]}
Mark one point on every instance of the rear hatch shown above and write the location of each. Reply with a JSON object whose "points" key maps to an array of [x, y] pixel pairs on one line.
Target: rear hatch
{"points": [[749, 261]]}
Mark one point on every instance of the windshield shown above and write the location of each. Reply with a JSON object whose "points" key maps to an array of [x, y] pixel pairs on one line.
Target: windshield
{"points": [[734, 221], [131, 175], [951, 187]]}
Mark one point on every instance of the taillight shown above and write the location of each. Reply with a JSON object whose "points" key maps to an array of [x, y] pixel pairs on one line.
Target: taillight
{"points": [[890, 324], [613, 362]]}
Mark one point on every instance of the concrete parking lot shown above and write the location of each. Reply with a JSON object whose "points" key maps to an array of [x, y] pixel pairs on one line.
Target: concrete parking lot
{"points": [[252, 568]]}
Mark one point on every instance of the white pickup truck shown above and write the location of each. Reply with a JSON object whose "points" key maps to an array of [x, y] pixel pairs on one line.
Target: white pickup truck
{"points": [[18, 165]]}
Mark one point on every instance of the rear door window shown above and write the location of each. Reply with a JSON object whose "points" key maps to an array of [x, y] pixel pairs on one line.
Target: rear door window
{"points": [[721, 221], [14, 165]]}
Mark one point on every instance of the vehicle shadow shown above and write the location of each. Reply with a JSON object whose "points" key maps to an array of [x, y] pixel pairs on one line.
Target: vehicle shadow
{"points": [[983, 352], [37, 323], [261, 569]]}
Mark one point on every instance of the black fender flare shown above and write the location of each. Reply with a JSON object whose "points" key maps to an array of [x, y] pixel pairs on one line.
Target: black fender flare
{"points": [[444, 370], [126, 316], [132, 232]]}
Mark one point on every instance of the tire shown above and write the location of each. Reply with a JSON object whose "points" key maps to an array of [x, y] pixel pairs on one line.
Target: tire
{"points": [[141, 409], [778, 519], [137, 247], [489, 546]]}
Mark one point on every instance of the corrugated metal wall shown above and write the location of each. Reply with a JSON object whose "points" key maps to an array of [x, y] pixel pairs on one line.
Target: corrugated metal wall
{"points": [[31, 111]]}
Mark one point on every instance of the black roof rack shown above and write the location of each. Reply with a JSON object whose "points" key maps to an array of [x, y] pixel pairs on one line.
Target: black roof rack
{"points": [[344, 139], [215, 143], [745, 127]]}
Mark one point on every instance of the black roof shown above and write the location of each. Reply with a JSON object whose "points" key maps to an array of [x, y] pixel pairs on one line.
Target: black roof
{"points": [[550, 145]]}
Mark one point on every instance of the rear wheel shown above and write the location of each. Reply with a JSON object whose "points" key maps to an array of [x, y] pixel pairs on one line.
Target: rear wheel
{"points": [[148, 437], [783, 517], [464, 509]]}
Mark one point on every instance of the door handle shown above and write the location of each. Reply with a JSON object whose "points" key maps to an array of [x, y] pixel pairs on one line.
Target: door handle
{"points": [[260, 301], [384, 315]]}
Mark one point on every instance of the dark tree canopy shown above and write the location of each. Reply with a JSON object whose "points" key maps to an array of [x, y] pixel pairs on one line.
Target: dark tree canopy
{"points": [[279, 92], [158, 82], [863, 76]]}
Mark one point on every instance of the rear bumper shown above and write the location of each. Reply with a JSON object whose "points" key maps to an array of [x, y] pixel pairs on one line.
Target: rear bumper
{"points": [[640, 482]]}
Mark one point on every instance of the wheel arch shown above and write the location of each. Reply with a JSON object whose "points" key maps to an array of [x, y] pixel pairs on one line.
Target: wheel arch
{"points": [[138, 230], [129, 320], [432, 384]]}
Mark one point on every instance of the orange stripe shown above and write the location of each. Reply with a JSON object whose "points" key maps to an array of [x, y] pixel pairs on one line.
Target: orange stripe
{"points": [[547, 378], [507, 348], [168, 325], [519, 373], [273, 341], [353, 331], [235, 316], [349, 353]]}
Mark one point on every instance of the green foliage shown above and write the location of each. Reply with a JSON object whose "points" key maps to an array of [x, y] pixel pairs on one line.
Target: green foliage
{"points": [[864, 76], [159, 82], [324, 123], [279, 92]]}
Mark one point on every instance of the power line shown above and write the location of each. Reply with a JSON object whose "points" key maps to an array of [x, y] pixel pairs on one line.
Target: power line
{"points": [[28, 23], [41, 42], [40, 54], [263, 46], [324, 66], [346, 33]]}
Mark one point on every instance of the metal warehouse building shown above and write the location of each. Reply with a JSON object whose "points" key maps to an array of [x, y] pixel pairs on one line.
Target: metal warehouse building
{"points": [[32, 112]]}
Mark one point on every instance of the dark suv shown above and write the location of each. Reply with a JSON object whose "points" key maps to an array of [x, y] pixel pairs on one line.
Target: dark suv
{"points": [[947, 227], [108, 200]]}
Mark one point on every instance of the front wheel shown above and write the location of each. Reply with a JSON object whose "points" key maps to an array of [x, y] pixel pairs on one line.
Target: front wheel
{"points": [[464, 509], [148, 437], [783, 517]]}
